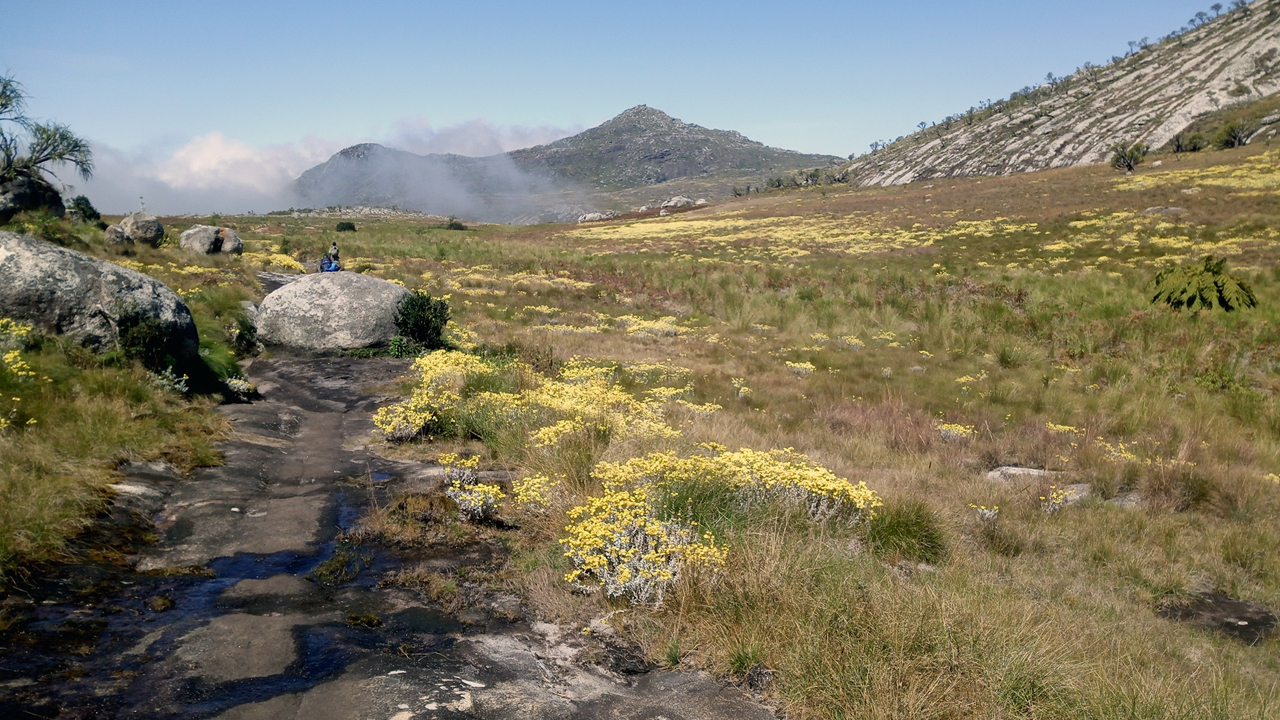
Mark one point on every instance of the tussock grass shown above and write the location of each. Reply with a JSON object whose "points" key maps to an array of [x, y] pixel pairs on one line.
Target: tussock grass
{"points": [[87, 418]]}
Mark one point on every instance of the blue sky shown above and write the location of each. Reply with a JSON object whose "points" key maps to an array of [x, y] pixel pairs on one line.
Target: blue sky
{"points": [[144, 80]]}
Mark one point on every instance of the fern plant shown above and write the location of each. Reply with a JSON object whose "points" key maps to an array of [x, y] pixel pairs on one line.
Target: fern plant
{"points": [[1202, 285]]}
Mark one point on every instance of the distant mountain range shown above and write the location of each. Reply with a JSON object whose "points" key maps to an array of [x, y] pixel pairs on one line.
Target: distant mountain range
{"points": [[640, 148], [1148, 96]]}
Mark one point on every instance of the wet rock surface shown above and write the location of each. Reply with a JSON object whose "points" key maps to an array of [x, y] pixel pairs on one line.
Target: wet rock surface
{"points": [[1240, 619], [215, 595]]}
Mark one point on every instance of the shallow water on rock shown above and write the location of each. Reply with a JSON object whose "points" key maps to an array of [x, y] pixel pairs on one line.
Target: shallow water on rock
{"points": [[231, 594]]}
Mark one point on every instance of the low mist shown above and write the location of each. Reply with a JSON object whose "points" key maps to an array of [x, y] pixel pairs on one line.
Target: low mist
{"points": [[215, 174]]}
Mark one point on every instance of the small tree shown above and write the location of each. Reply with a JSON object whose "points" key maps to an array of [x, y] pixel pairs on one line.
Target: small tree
{"points": [[346, 226], [1233, 134], [45, 144], [1202, 285], [1127, 157]]}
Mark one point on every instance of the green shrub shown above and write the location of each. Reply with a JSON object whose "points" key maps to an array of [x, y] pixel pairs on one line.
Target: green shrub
{"points": [[346, 226], [403, 347], [84, 210], [454, 224], [422, 318], [1233, 134], [1195, 142], [908, 530], [144, 339]]}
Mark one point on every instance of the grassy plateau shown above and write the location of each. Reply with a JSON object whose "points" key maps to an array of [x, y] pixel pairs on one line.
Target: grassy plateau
{"points": [[792, 402]]}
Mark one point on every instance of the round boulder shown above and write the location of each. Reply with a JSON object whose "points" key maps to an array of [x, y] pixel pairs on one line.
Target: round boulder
{"points": [[143, 227], [331, 312], [208, 239], [115, 235], [26, 193], [92, 301]]}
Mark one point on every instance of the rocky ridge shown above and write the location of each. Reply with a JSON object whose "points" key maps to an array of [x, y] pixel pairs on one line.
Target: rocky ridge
{"points": [[1148, 96]]}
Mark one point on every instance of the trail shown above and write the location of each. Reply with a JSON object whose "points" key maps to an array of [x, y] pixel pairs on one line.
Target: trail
{"points": [[222, 617]]}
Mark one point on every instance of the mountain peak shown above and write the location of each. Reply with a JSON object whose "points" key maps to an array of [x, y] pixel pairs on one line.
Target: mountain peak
{"points": [[645, 146]]}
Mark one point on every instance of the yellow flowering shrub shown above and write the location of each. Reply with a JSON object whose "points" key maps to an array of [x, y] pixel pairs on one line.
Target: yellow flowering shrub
{"points": [[956, 431], [774, 476], [273, 259], [476, 501], [13, 364], [534, 491], [13, 333], [800, 368], [441, 378], [619, 545]]}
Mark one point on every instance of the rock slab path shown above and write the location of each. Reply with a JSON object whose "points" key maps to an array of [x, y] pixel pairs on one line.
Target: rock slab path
{"points": [[221, 617]]}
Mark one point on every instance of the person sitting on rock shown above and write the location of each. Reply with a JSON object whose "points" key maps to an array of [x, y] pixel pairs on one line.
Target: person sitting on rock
{"points": [[329, 261]]}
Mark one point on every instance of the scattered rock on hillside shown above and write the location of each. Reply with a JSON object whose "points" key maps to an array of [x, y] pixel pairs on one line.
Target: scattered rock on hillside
{"points": [[65, 292], [1007, 473], [597, 216], [330, 312], [143, 227], [678, 201], [28, 194], [209, 239], [115, 235]]}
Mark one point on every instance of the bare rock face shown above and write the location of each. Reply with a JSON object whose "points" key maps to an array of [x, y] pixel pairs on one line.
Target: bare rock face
{"points": [[209, 239], [144, 228], [28, 194], [65, 292], [330, 312], [1148, 96]]}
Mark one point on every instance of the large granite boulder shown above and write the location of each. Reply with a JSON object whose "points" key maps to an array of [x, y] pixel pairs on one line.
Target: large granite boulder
{"points": [[115, 235], [143, 227], [26, 193], [209, 239], [331, 312], [92, 301]]}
